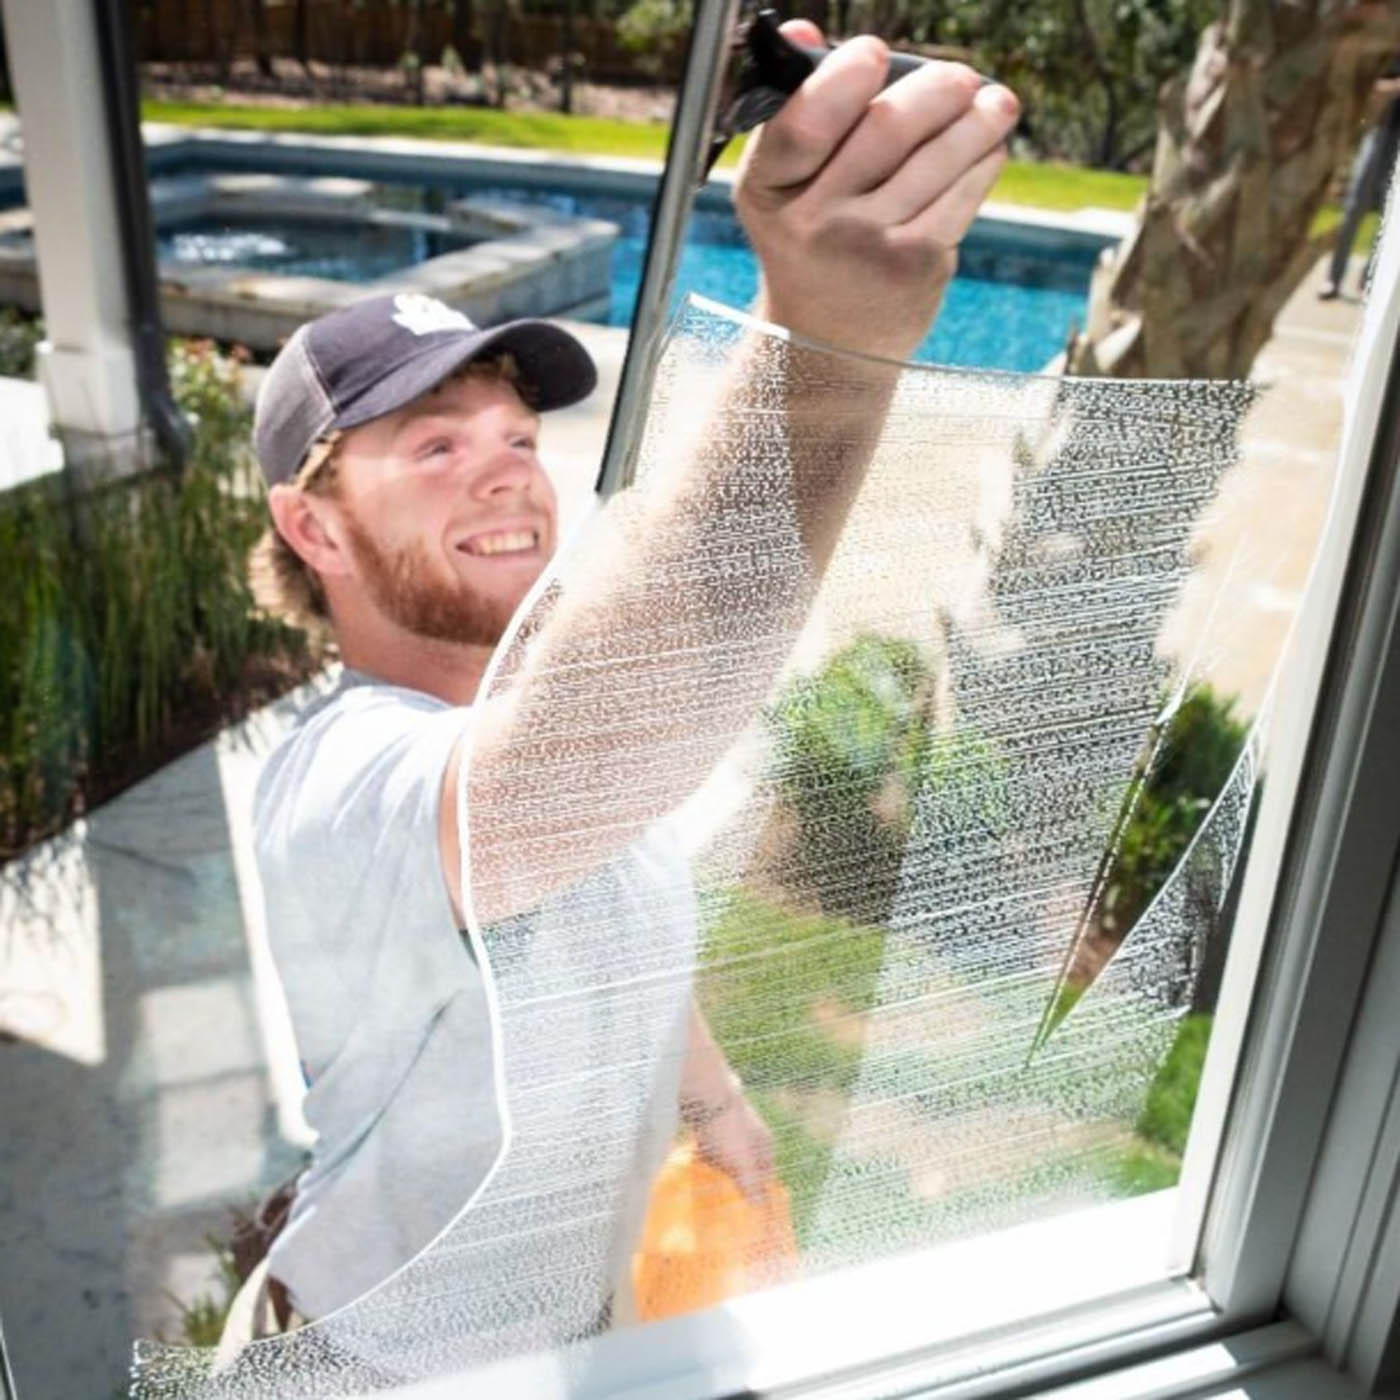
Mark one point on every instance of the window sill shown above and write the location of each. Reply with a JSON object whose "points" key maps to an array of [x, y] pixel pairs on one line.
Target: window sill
{"points": [[1026, 1307]]}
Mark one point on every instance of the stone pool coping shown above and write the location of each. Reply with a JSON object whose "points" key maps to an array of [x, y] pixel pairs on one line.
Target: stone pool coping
{"points": [[611, 174]]}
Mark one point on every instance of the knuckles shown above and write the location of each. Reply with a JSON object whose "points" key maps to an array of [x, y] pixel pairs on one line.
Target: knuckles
{"points": [[848, 237]]}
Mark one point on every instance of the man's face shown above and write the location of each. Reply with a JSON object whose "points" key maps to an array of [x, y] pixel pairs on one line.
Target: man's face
{"points": [[449, 515]]}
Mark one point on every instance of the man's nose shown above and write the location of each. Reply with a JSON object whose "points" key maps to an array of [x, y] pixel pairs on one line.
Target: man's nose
{"points": [[509, 469]]}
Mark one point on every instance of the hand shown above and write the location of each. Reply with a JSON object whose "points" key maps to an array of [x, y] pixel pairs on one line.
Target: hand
{"points": [[855, 199], [730, 1135]]}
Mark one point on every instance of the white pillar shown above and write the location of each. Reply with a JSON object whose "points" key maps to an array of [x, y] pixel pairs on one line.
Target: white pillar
{"points": [[86, 365]]}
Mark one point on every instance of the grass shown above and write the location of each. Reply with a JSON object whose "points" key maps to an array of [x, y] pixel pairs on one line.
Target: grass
{"points": [[779, 987], [1067, 187], [1046, 186], [765, 969], [202, 1321], [550, 131], [1153, 1162], [1330, 216], [1037, 184], [1166, 1116]]}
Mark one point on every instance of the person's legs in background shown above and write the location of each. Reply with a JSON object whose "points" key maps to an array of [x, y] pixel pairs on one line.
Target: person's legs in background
{"points": [[1364, 187]]}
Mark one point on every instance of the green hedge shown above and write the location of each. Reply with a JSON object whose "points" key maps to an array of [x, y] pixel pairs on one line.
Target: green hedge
{"points": [[127, 629]]}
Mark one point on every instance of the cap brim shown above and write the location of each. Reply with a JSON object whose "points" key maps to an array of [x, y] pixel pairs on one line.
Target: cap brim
{"points": [[555, 366]]}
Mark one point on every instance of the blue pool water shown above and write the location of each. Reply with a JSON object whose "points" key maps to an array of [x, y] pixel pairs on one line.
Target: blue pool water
{"points": [[301, 248], [1007, 309], [1011, 307]]}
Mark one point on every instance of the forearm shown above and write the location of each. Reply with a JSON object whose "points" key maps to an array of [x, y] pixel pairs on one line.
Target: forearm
{"points": [[708, 1085], [855, 198], [696, 586]]}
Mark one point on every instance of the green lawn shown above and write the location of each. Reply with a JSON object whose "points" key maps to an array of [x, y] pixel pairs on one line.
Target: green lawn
{"points": [[1041, 185], [532, 130], [1062, 187], [1067, 187]]}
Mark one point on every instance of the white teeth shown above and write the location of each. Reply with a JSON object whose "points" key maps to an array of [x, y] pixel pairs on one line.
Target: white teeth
{"points": [[503, 542]]}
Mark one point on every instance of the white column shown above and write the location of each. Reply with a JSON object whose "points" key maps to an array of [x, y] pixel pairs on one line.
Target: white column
{"points": [[86, 365]]}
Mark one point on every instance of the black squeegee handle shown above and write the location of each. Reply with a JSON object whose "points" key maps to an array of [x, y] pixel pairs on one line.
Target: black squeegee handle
{"points": [[769, 68], [785, 65]]}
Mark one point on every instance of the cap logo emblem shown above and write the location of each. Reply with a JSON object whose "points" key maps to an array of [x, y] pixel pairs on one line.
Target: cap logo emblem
{"points": [[423, 315]]}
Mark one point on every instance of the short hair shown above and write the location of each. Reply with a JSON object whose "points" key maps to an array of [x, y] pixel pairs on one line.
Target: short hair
{"points": [[284, 585]]}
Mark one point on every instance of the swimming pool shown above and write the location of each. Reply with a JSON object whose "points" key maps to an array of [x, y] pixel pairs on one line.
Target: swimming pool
{"points": [[1018, 294], [1011, 307]]}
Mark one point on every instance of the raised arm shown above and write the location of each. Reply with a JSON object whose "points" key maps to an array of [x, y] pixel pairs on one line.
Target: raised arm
{"points": [[855, 200]]}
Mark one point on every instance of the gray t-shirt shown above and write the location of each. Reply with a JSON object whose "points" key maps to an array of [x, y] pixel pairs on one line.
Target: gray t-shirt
{"points": [[386, 1002], [388, 1006]]}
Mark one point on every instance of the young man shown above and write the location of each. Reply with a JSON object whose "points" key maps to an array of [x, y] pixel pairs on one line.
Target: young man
{"points": [[410, 512]]}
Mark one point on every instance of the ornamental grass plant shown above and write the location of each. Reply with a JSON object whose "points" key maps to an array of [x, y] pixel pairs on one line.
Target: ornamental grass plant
{"points": [[127, 629]]}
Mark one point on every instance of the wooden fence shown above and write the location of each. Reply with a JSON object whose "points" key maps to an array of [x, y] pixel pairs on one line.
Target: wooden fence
{"points": [[340, 33]]}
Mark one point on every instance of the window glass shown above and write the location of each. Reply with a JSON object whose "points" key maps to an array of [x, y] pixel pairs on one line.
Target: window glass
{"points": [[836, 859]]}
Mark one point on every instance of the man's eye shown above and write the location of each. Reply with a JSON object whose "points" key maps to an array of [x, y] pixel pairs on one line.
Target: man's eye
{"points": [[436, 448]]}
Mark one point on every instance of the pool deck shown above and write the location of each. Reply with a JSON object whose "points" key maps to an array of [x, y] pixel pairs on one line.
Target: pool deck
{"points": [[1285, 475]]}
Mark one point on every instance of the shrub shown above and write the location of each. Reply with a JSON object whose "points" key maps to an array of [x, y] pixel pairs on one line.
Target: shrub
{"points": [[1198, 752], [127, 631], [849, 744], [19, 336], [650, 29], [859, 763]]}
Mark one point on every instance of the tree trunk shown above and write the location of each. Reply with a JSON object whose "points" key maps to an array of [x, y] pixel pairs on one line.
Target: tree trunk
{"points": [[463, 22], [410, 51], [814, 10], [496, 21], [1108, 136], [226, 39], [566, 56], [301, 34], [260, 49], [7, 92], [1247, 148]]}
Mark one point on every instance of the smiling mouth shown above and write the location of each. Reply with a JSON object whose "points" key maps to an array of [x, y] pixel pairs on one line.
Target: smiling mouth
{"points": [[502, 542]]}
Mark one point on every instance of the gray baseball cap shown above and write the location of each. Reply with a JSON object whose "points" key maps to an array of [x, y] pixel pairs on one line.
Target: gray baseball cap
{"points": [[376, 355]]}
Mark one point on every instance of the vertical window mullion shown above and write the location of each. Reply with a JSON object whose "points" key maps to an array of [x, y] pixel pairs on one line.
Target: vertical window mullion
{"points": [[1317, 874]]}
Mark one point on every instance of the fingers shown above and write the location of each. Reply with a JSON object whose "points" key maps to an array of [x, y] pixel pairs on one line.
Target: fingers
{"points": [[802, 31], [944, 222], [897, 122], [933, 169], [817, 118]]}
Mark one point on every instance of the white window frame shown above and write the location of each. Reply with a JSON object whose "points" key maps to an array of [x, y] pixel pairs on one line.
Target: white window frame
{"points": [[1294, 1159]]}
